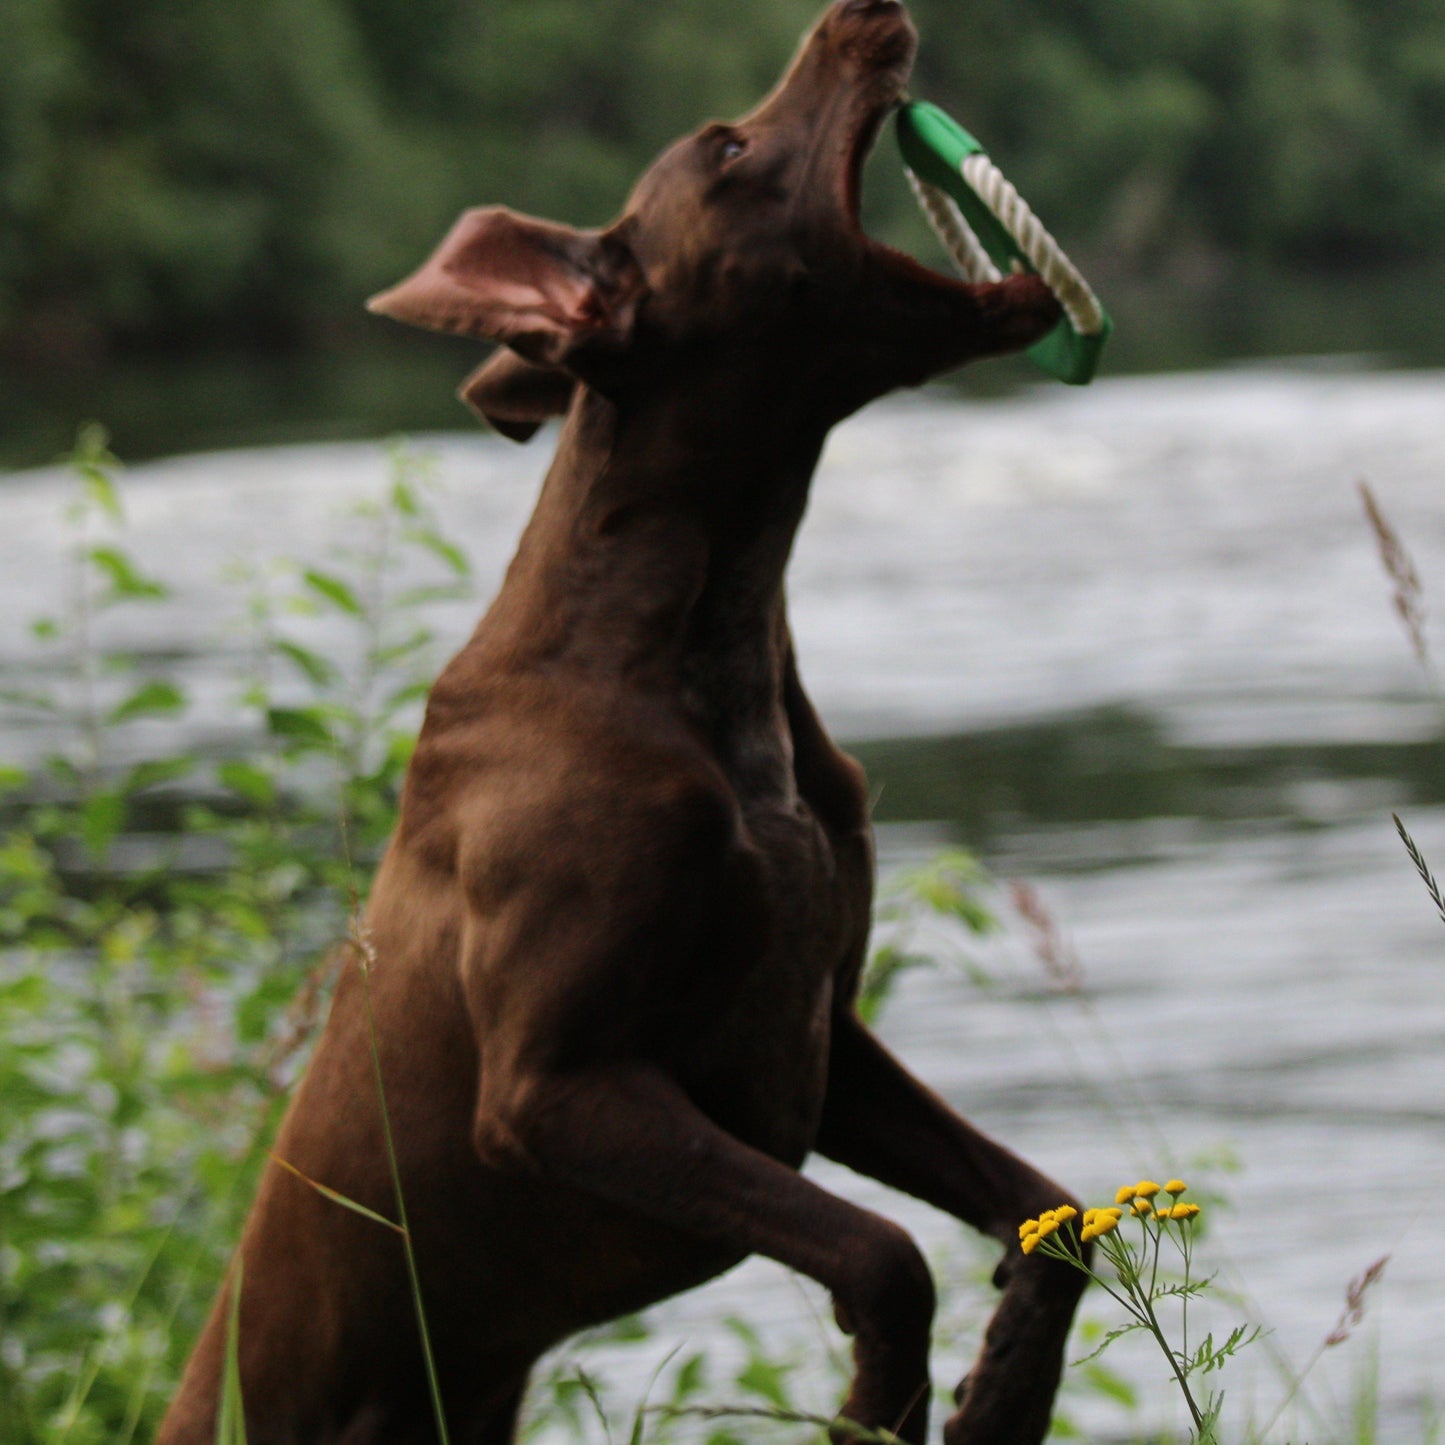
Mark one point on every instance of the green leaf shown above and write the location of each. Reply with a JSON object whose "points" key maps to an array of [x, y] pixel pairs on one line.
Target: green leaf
{"points": [[125, 580], [254, 784], [151, 699], [945, 894], [399, 750], [1210, 1357], [301, 726], [627, 1329], [1107, 1341], [400, 648], [690, 1378], [155, 772], [92, 461], [334, 590], [594, 1398], [1209, 1425], [231, 1416], [100, 491], [1189, 1290], [438, 546], [1116, 1387], [885, 965], [29, 991], [403, 696], [403, 499], [766, 1379], [337, 1198], [639, 1415], [312, 664], [100, 821]]}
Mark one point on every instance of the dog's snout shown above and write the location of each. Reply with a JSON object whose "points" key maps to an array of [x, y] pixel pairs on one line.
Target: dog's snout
{"points": [[870, 22]]}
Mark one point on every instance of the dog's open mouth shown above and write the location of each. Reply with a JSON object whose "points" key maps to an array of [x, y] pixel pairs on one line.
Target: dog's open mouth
{"points": [[862, 147], [858, 154], [891, 56]]}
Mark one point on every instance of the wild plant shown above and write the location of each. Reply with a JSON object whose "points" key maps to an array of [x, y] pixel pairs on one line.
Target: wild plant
{"points": [[1131, 1235], [1408, 599], [1408, 593], [162, 914]]}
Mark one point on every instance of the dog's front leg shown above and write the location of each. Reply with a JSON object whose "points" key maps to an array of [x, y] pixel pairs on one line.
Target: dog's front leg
{"points": [[882, 1122], [629, 1134]]}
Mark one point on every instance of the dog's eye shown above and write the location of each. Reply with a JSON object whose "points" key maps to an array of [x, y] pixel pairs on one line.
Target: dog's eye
{"points": [[720, 146]]}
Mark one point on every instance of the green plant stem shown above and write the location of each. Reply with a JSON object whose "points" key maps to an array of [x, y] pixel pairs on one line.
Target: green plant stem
{"points": [[1152, 1321], [374, 621], [90, 1362], [433, 1384], [1135, 1300], [1184, 1299], [1143, 1301], [849, 1429], [85, 662]]}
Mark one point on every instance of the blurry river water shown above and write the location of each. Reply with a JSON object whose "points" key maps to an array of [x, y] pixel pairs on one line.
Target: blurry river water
{"points": [[1132, 644]]}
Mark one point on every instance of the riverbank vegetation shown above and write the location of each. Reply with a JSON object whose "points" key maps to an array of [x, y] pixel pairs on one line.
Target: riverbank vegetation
{"points": [[196, 199], [208, 174]]}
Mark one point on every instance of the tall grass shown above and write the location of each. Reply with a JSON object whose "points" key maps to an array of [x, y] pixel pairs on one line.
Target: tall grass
{"points": [[161, 922]]}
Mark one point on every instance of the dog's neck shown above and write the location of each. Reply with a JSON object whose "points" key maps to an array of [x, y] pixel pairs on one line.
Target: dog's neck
{"points": [[655, 559]]}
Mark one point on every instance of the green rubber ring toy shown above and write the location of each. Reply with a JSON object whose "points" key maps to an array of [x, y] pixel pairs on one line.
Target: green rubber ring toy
{"points": [[996, 234]]}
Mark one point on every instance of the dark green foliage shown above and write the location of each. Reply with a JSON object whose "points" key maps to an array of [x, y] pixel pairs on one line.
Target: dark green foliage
{"points": [[1278, 129], [201, 170], [179, 166]]}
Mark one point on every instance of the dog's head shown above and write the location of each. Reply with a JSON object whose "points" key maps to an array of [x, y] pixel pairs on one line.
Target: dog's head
{"points": [[738, 269]]}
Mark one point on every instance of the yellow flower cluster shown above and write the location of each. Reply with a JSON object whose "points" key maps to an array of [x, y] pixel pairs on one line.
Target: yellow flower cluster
{"points": [[1100, 1221], [1180, 1211], [1033, 1232], [1139, 1197]]}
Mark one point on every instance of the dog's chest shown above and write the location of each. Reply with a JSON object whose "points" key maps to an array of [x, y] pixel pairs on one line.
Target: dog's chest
{"points": [[761, 1065]]}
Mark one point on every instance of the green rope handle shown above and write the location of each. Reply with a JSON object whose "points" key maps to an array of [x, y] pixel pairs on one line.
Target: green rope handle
{"points": [[988, 229]]}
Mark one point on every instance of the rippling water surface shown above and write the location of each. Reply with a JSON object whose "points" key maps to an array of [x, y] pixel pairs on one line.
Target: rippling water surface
{"points": [[1134, 645]]}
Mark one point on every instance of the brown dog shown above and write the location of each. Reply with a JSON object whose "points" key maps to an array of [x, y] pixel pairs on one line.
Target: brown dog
{"points": [[618, 933]]}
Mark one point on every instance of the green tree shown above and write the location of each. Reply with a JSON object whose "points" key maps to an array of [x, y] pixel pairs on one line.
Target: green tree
{"points": [[204, 171]]}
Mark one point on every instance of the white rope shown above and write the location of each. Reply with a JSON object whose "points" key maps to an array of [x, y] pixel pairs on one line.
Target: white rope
{"points": [[993, 188], [974, 264], [1085, 314]]}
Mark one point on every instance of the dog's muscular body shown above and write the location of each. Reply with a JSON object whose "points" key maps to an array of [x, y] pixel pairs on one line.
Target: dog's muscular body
{"points": [[617, 936]]}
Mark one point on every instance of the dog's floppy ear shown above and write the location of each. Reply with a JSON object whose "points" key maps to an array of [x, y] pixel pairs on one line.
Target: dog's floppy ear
{"points": [[547, 291], [516, 396]]}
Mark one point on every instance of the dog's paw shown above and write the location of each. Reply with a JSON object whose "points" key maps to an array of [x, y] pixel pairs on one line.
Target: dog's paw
{"points": [[1009, 1413]]}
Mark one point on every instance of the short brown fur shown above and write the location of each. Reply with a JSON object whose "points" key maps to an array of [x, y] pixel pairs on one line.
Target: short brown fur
{"points": [[619, 930]]}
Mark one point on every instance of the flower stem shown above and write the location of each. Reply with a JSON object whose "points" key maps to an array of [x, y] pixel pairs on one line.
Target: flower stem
{"points": [[1152, 1321]]}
